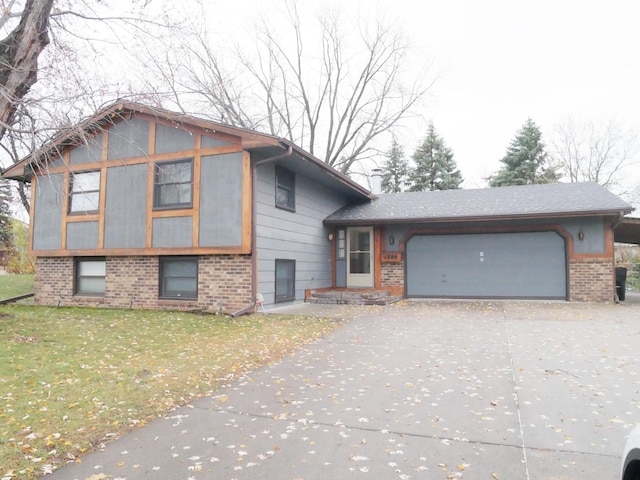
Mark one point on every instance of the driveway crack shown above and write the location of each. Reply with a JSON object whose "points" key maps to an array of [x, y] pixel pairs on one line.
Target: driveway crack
{"points": [[515, 394]]}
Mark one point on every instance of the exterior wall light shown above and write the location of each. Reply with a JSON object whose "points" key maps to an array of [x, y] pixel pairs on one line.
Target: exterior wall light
{"points": [[581, 236], [330, 237], [392, 240]]}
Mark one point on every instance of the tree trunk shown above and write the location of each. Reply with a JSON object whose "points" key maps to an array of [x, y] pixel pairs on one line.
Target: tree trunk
{"points": [[19, 57]]}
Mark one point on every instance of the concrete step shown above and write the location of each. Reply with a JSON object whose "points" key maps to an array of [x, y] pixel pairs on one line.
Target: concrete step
{"points": [[352, 297]]}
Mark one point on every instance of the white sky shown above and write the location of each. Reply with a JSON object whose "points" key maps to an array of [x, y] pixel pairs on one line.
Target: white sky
{"points": [[505, 60], [501, 61]]}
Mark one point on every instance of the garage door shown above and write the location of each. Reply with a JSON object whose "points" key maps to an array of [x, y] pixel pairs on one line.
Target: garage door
{"points": [[497, 265]]}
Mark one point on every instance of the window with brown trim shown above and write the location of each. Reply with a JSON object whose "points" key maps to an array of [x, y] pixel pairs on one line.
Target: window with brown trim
{"points": [[173, 184], [84, 192]]}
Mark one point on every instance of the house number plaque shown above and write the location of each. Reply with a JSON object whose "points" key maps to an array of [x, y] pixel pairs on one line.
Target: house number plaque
{"points": [[391, 257]]}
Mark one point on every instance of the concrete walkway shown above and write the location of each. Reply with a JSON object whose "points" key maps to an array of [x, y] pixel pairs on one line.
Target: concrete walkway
{"points": [[434, 390]]}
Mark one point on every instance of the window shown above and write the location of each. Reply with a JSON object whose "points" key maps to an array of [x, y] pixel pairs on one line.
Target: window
{"points": [[173, 184], [285, 189], [341, 243], [84, 192], [179, 277], [90, 276], [285, 280]]}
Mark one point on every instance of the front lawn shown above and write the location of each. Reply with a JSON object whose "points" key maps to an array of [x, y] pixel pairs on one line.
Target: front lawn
{"points": [[14, 285], [71, 379]]}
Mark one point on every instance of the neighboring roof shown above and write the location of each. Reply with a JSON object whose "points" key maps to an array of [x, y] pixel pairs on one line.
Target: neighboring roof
{"points": [[527, 201], [261, 143], [627, 231]]}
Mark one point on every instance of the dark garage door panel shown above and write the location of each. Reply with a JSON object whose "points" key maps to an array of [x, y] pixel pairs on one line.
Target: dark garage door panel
{"points": [[493, 265]]}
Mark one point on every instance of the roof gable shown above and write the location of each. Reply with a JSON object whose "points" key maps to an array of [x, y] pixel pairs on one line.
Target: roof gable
{"points": [[263, 144]]}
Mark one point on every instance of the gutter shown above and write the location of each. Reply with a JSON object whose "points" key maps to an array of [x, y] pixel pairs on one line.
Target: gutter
{"points": [[254, 250]]}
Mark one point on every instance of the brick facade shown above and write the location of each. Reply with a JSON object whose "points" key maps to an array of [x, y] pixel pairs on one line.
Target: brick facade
{"points": [[591, 280], [224, 284], [392, 275]]}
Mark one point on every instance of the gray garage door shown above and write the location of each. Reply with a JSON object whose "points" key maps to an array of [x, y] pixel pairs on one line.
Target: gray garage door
{"points": [[496, 265]]}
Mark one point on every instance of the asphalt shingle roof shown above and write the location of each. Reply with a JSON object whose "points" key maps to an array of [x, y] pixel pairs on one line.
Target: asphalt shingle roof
{"points": [[558, 199]]}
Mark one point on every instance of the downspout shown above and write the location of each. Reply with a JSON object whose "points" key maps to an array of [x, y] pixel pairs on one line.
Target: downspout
{"points": [[620, 218], [254, 250]]}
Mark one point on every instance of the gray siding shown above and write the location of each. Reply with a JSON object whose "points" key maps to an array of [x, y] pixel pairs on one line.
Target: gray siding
{"points": [[594, 238], [221, 200], [47, 220], [128, 138], [298, 235], [172, 232], [82, 235], [126, 208], [88, 152], [170, 139]]}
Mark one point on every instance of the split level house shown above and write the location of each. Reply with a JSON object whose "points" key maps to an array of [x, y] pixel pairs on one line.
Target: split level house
{"points": [[139, 207]]}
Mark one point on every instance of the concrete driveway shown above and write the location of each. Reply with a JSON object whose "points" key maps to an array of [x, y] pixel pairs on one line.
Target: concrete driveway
{"points": [[417, 390]]}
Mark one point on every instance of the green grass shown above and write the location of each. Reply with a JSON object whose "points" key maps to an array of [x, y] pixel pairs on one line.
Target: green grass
{"points": [[70, 378], [14, 285]]}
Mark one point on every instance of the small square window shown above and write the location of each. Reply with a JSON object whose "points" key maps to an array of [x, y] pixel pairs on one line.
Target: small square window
{"points": [[173, 184], [285, 189], [285, 280], [179, 278], [84, 192], [90, 276]]}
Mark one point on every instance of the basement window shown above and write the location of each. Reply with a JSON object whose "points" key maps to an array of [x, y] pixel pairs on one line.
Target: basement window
{"points": [[179, 278], [285, 280], [90, 276]]}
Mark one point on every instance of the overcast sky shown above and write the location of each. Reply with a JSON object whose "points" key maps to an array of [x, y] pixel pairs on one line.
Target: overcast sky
{"points": [[505, 60], [501, 61]]}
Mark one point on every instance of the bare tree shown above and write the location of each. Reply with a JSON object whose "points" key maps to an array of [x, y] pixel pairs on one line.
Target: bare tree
{"points": [[19, 53], [591, 153], [330, 92], [76, 74]]}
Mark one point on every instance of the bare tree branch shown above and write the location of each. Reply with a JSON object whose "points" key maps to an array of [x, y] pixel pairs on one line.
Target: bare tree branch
{"points": [[594, 153]]}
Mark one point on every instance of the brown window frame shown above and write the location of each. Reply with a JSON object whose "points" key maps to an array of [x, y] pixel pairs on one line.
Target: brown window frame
{"points": [[157, 186], [83, 193]]}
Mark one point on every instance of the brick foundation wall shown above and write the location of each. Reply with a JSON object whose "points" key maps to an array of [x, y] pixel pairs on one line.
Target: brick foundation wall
{"points": [[591, 280], [224, 283]]}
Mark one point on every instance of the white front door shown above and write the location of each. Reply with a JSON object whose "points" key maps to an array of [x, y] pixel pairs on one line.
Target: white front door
{"points": [[359, 257]]}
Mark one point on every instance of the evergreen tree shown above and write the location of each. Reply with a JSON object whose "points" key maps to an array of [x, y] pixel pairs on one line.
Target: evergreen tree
{"points": [[6, 238], [396, 169], [435, 167], [526, 161]]}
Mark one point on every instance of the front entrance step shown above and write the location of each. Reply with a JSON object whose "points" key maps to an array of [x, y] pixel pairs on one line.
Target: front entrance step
{"points": [[352, 297]]}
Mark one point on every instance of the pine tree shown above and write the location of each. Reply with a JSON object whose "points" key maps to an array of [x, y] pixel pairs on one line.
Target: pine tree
{"points": [[435, 167], [6, 238], [396, 169], [526, 161]]}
